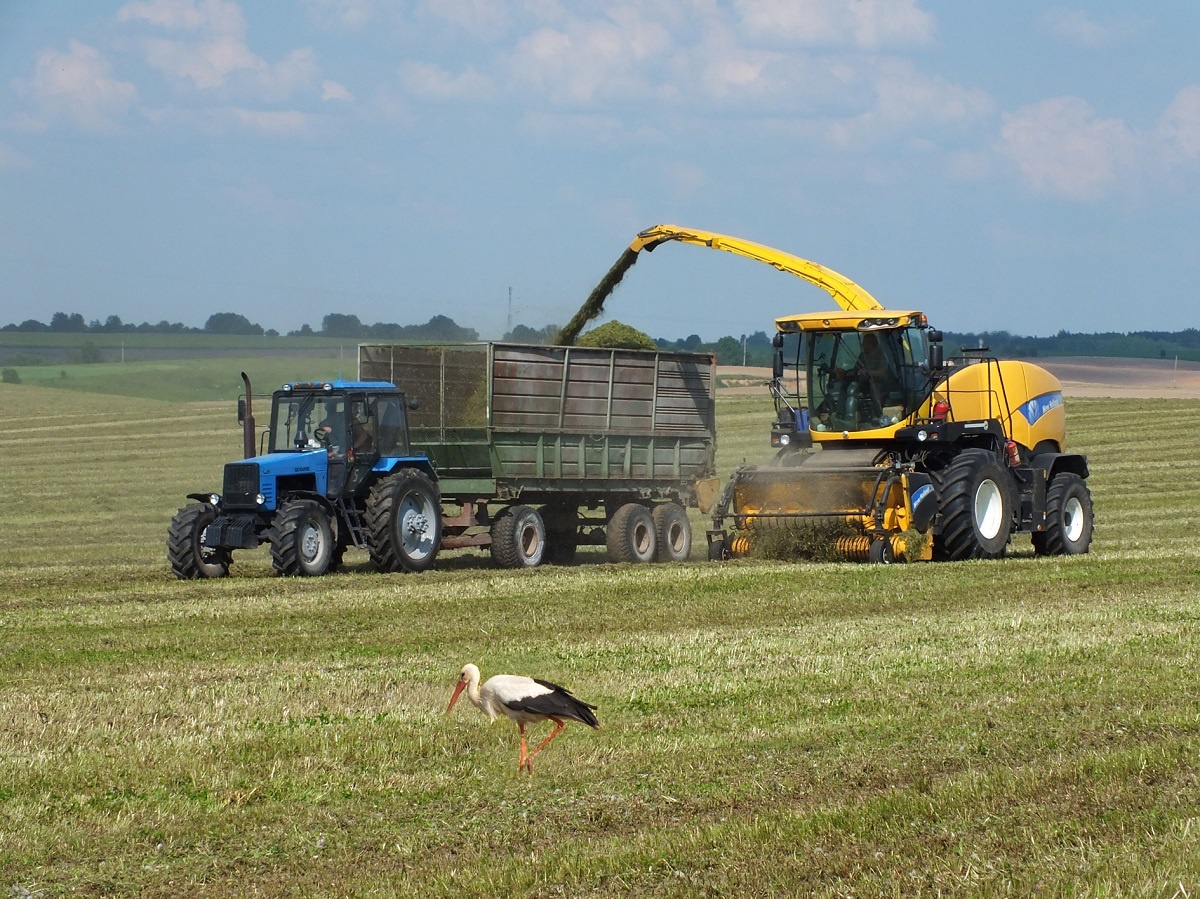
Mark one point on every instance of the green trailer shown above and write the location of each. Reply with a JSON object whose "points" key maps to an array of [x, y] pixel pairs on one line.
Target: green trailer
{"points": [[536, 450]]}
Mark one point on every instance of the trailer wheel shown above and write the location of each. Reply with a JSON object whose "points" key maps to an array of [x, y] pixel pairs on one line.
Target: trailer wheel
{"points": [[562, 533], [673, 533], [630, 534], [404, 522], [189, 557], [1069, 517], [302, 541], [518, 538], [976, 507]]}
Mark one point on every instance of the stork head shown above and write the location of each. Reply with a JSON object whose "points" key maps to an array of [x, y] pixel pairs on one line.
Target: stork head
{"points": [[469, 676]]}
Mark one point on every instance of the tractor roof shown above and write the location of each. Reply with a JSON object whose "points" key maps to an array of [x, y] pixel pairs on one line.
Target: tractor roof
{"points": [[330, 386]]}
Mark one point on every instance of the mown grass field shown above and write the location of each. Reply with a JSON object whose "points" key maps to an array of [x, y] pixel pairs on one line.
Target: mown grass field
{"points": [[1028, 726]]}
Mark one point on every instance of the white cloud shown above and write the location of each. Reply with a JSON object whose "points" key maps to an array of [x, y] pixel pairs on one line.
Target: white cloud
{"points": [[1061, 147], [1178, 134], [1075, 27], [869, 24], [434, 82], [77, 86], [331, 90]]}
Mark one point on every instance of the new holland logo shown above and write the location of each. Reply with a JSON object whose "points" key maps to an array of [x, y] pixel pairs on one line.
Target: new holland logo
{"points": [[1040, 405]]}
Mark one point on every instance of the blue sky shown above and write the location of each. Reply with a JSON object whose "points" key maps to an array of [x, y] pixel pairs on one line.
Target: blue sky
{"points": [[1016, 166]]}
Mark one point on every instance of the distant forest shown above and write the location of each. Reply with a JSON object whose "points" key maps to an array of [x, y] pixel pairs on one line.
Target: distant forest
{"points": [[749, 349]]}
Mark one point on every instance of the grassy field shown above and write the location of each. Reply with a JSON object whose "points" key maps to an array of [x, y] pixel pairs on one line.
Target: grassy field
{"points": [[1027, 726]]}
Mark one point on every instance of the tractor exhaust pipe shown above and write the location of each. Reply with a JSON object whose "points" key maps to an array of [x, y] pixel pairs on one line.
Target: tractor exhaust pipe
{"points": [[246, 420]]}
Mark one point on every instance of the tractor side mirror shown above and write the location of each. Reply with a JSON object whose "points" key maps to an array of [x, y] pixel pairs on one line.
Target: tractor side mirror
{"points": [[777, 365], [241, 410], [777, 340], [414, 404]]}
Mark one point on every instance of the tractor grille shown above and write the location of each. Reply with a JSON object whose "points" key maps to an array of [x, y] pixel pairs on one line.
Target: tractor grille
{"points": [[241, 485]]}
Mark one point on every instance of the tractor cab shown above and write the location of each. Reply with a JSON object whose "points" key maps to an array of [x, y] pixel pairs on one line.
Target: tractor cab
{"points": [[851, 373], [352, 423]]}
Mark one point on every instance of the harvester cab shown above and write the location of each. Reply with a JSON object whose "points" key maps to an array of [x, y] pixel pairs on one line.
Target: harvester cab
{"points": [[336, 473]]}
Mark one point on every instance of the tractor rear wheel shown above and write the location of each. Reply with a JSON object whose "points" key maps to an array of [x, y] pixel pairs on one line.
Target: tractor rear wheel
{"points": [[976, 507], [630, 534], [404, 522], [518, 538], [1069, 517], [673, 533], [189, 557], [302, 541]]}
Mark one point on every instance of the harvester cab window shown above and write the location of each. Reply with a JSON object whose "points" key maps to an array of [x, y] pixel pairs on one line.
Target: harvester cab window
{"points": [[859, 380]]}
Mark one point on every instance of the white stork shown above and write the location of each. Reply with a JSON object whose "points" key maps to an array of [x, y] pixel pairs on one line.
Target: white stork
{"points": [[524, 700]]}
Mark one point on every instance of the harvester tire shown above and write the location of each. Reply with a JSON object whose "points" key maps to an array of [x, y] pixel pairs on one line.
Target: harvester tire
{"points": [[404, 522], [882, 552], [190, 559], [302, 541], [976, 501], [562, 533], [673, 533], [518, 538], [630, 534], [1069, 517]]}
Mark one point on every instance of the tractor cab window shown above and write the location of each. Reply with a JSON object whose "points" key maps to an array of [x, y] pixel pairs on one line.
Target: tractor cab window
{"points": [[864, 380], [391, 435], [302, 422]]}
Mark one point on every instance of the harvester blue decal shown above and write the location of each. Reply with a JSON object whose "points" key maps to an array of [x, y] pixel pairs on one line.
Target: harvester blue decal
{"points": [[1040, 405], [919, 494]]}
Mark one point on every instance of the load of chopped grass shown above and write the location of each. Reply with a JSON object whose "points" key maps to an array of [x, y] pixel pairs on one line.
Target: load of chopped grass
{"points": [[799, 540]]}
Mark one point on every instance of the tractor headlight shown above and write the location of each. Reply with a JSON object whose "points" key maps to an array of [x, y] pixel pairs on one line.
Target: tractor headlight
{"points": [[784, 439], [260, 499], [214, 499], [922, 435]]}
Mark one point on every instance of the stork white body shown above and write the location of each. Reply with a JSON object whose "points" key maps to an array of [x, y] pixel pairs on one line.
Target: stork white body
{"points": [[523, 700]]}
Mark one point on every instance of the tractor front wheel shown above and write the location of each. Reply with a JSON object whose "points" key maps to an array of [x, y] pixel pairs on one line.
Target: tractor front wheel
{"points": [[189, 557], [977, 508], [404, 520], [1069, 517], [302, 541]]}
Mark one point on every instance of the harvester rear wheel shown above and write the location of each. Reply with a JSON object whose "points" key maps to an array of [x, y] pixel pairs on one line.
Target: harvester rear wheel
{"points": [[630, 534], [673, 533], [1069, 517], [189, 557], [404, 522], [302, 541], [518, 538], [976, 506]]}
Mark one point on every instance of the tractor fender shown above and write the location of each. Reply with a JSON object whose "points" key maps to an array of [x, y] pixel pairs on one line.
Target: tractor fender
{"points": [[205, 498], [389, 465], [1053, 463]]}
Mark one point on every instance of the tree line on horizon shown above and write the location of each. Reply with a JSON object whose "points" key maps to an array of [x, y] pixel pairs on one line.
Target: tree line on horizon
{"points": [[749, 349]]}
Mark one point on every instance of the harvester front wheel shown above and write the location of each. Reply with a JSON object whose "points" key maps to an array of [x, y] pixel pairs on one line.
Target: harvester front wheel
{"points": [[976, 506], [630, 534], [189, 557], [404, 522], [518, 538], [302, 541], [882, 552], [672, 532], [1069, 517]]}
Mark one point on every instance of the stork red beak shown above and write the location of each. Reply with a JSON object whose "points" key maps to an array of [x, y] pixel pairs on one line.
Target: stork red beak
{"points": [[457, 691]]}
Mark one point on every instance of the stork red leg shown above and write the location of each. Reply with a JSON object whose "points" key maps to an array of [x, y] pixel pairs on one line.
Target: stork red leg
{"points": [[524, 750], [558, 725]]}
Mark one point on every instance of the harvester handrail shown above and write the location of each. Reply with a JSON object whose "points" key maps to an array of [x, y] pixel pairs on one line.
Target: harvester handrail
{"points": [[847, 294]]}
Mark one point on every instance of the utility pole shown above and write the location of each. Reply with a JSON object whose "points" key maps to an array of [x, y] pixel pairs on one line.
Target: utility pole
{"points": [[509, 328]]}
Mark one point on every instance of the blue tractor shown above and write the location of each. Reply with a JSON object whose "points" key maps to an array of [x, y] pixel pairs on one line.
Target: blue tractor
{"points": [[338, 472]]}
